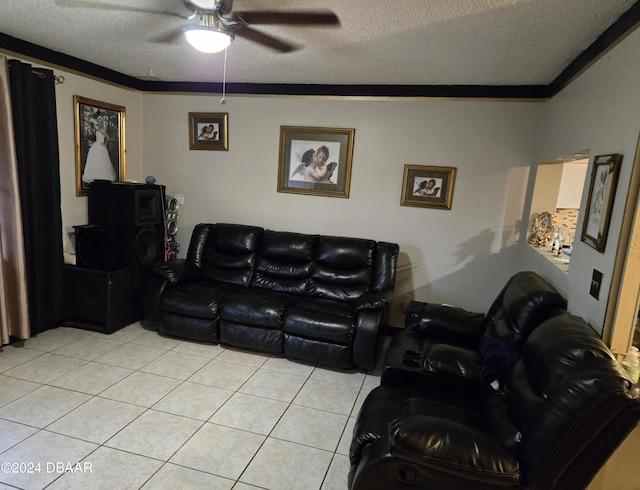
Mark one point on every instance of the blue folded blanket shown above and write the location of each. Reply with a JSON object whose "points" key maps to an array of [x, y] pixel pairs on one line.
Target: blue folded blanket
{"points": [[498, 358]]}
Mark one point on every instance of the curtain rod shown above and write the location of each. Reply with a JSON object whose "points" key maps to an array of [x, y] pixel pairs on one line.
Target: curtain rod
{"points": [[58, 79]]}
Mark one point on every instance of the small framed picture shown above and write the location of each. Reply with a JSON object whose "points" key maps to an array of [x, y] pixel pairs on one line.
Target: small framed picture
{"points": [[428, 187], [100, 144], [602, 191], [315, 161], [209, 131]]}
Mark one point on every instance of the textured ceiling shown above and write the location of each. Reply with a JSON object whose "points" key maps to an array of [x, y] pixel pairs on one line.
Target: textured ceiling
{"points": [[402, 42]]}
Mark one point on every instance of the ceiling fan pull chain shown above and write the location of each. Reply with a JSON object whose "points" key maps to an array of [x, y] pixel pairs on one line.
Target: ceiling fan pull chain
{"points": [[223, 101]]}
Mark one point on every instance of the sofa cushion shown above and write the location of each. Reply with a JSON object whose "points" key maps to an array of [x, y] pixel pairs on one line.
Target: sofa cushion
{"points": [[552, 352], [343, 268], [562, 343], [453, 362], [284, 262], [190, 327], [321, 319], [200, 298], [256, 338], [526, 301], [449, 446], [257, 307], [229, 253]]}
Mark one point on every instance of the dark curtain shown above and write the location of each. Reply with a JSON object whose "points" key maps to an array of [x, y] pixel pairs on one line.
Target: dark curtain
{"points": [[33, 103]]}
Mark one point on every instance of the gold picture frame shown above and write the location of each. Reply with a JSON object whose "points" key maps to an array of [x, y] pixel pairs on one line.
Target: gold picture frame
{"points": [[428, 187], [209, 131], [99, 142], [602, 191], [315, 161]]}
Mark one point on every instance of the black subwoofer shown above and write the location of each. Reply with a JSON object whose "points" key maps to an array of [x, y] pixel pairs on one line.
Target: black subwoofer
{"points": [[102, 247], [98, 300]]}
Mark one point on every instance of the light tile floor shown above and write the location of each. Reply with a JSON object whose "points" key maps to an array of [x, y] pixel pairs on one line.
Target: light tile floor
{"points": [[136, 409]]}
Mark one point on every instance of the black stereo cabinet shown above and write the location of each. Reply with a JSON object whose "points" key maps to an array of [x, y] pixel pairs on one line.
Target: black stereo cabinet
{"points": [[98, 300]]}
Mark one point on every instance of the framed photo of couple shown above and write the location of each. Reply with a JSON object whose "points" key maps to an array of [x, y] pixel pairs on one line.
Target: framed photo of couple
{"points": [[315, 161], [428, 187], [209, 131]]}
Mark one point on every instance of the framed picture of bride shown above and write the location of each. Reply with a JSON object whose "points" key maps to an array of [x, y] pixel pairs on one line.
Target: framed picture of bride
{"points": [[100, 142]]}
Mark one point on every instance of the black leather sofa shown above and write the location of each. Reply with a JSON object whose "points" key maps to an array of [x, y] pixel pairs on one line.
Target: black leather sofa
{"points": [[547, 413], [314, 298]]}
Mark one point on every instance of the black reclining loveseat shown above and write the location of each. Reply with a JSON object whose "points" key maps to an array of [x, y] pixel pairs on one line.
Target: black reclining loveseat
{"points": [[319, 299], [546, 412], [463, 350]]}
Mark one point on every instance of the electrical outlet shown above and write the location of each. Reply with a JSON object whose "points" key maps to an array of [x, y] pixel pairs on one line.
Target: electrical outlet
{"points": [[180, 199], [596, 282]]}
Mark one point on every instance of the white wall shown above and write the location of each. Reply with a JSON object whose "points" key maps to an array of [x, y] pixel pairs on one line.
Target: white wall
{"points": [[546, 190], [572, 185], [461, 256], [600, 110]]}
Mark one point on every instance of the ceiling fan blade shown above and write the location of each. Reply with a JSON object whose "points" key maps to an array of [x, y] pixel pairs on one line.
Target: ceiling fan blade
{"points": [[169, 36], [264, 39], [110, 6], [302, 17]]}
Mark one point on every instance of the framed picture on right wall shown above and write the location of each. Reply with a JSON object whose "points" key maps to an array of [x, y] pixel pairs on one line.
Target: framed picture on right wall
{"points": [[602, 191], [428, 187]]}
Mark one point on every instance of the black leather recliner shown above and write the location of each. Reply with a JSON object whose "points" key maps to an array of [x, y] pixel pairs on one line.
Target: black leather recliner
{"points": [[320, 299], [565, 407], [560, 408], [457, 349]]}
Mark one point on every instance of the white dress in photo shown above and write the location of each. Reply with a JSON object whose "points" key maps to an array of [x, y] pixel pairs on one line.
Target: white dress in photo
{"points": [[98, 166]]}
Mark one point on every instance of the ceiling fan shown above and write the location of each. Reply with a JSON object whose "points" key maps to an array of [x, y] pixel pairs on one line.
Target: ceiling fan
{"points": [[217, 24]]}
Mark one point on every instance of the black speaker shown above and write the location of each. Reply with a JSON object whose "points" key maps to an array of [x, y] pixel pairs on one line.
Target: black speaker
{"points": [[149, 244], [98, 300], [125, 204], [136, 212], [101, 247]]}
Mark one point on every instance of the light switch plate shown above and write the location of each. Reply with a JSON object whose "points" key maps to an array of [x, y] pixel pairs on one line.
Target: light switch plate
{"points": [[596, 282]]}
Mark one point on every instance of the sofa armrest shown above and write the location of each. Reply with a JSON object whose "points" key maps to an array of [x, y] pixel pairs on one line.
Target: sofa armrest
{"points": [[365, 342], [152, 295], [162, 275], [374, 300], [449, 447], [174, 271], [445, 323]]}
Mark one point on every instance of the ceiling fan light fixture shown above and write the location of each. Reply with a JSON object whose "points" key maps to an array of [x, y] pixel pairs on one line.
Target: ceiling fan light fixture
{"points": [[207, 39]]}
